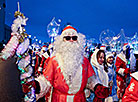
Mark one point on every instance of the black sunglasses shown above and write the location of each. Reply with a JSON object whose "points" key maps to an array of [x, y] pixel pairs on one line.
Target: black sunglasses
{"points": [[69, 38]]}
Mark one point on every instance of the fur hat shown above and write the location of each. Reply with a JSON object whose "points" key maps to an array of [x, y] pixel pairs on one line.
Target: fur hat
{"points": [[126, 46], [109, 54], [103, 47], [69, 30], [50, 46], [44, 47], [35, 47]]}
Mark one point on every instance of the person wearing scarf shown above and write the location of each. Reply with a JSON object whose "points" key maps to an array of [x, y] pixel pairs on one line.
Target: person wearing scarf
{"points": [[99, 65]]}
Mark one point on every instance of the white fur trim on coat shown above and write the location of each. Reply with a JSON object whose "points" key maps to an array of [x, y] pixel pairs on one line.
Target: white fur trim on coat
{"points": [[122, 57], [92, 81], [109, 99], [44, 86], [69, 32], [121, 71], [135, 75], [46, 55], [87, 92]]}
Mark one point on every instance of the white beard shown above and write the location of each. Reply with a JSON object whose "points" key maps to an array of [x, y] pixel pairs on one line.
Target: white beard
{"points": [[71, 56]]}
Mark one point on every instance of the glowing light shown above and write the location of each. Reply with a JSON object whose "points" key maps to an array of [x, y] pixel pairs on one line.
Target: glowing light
{"points": [[22, 82], [59, 20], [29, 36], [53, 28], [40, 41]]}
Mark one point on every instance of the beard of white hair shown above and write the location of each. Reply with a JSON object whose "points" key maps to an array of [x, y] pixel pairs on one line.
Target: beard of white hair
{"points": [[71, 54]]}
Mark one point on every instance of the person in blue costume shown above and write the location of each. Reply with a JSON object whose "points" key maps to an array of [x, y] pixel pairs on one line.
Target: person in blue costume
{"points": [[98, 62], [112, 78]]}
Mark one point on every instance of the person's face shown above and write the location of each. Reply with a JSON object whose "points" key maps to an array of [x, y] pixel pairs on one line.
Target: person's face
{"points": [[43, 51], [114, 53], [101, 58], [110, 60]]}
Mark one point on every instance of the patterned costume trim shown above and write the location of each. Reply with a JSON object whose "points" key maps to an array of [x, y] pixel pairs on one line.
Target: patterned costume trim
{"points": [[121, 71]]}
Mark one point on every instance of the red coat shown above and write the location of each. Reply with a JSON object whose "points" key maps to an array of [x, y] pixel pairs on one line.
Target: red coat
{"points": [[131, 92], [62, 92], [120, 76], [120, 67]]}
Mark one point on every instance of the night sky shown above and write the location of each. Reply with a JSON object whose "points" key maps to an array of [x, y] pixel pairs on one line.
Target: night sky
{"points": [[89, 17]]}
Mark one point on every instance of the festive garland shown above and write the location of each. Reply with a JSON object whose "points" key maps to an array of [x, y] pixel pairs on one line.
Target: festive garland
{"points": [[24, 65], [19, 44]]}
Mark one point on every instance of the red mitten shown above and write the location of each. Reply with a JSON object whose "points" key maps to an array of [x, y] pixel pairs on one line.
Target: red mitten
{"points": [[101, 91], [27, 86], [127, 71], [110, 90]]}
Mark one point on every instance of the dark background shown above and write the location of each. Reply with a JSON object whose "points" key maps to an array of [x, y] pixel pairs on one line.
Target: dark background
{"points": [[10, 87]]}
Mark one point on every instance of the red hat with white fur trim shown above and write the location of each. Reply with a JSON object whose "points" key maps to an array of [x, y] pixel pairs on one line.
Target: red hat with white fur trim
{"points": [[44, 47], [109, 54], [69, 30], [126, 45], [50, 46], [103, 48]]}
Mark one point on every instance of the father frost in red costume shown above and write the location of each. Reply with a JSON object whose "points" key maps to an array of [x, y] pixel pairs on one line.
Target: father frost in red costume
{"points": [[68, 72]]}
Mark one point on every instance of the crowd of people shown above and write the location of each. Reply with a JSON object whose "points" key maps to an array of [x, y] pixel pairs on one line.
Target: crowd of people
{"points": [[65, 73]]}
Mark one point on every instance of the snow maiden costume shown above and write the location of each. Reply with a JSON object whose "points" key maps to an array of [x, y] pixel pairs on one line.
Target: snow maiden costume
{"points": [[112, 78], [103, 76], [100, 73]]}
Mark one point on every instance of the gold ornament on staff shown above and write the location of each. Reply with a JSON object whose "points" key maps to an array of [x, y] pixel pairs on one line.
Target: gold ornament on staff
{"points": [[18, 13]]}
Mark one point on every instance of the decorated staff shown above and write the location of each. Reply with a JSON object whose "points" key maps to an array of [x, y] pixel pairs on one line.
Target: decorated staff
{"points": [[19, 45], [53, 29]]}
